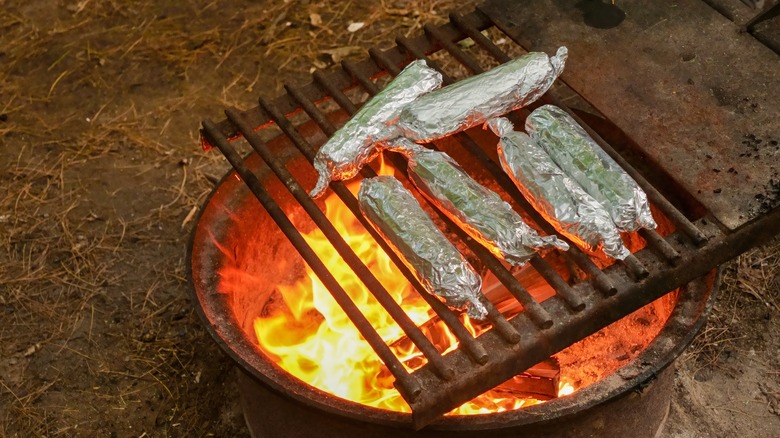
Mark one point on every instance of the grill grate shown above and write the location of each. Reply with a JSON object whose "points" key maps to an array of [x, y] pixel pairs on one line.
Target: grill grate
{"points": [[510, 346]]}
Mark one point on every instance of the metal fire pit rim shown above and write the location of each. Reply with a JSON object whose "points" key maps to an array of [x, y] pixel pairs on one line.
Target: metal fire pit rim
{"points": [[263, 370]]}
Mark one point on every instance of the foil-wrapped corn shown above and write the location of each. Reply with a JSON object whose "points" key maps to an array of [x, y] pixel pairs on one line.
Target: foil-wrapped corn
{"points": [[435, 261], [477, 210], [355, 144], [572, 211], [474, 100], [577, 154]]}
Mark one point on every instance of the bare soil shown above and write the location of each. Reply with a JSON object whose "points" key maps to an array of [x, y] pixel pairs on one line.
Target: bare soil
{"points": [[100, 103]]}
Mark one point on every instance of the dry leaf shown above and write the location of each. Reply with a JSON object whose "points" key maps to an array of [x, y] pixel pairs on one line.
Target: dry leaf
{"points": [[356, 26], [32, 349], [315, 20]]}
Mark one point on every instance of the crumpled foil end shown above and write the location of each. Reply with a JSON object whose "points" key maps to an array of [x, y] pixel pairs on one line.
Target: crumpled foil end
{"points": [[553, 242], [595, 225], [358, 141], [476, 310], [411, 233], [558, 61], [501, 126], [320, 186]]}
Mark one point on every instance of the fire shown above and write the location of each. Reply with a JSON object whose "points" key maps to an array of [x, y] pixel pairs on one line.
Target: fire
{"points": [[565, 389], [311, 338]]}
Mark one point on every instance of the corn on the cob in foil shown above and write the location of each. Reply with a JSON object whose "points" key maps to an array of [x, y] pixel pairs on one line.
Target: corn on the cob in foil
{"points": [[580, 157], [355, 144], [480, 212], [474, 100], [572, 211], [435, 261]]}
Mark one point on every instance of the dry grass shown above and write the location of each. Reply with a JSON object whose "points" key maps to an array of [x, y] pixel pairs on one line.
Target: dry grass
{"points": [[748, 300]]}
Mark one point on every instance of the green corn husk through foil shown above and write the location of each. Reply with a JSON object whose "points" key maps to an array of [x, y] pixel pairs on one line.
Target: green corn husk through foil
{"points": [[476, 99], [434, 260], [356, 143], [572, 211], [480, 212], [577, 154]]}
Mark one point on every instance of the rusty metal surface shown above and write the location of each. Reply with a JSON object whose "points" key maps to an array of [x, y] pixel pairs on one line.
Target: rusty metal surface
{"points": [[766, 28], [742, 12], [701, 104]]}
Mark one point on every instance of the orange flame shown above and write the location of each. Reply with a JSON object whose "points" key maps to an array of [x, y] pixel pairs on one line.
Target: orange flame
{"points": [[313, 339]]}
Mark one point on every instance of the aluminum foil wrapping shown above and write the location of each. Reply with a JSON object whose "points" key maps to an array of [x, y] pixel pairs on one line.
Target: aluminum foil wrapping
{"points": [[477, 210], [474, 100], [572, 211], [584, 161], [437, 264], [355, 144]]}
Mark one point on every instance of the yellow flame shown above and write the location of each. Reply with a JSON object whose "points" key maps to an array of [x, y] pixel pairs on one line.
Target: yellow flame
{"points": [[565, 389]]}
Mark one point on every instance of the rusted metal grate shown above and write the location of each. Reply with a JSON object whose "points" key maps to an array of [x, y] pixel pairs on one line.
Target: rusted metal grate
{"points": [[541, 329]]}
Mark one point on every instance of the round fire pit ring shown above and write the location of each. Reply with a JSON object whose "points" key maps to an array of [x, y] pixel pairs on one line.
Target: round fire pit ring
{"points": [[633, 399]]}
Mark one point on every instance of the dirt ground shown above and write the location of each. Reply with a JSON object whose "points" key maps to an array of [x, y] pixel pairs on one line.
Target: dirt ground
{"points": [[100, 104]]}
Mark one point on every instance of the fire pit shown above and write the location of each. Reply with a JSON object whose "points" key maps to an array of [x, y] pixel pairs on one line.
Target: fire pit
{"points": [[240, 259], [244, 253]]}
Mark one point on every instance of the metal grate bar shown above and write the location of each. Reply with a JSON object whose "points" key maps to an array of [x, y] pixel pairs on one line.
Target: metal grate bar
{"points": [[535, 311], [479, 38], [562, 288], [418, 53], [661, 245], [364, 81], [383, 61], [311, 110], [467, 60], [342, 247], [637, 270], [503, 327], [407, 385]]}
